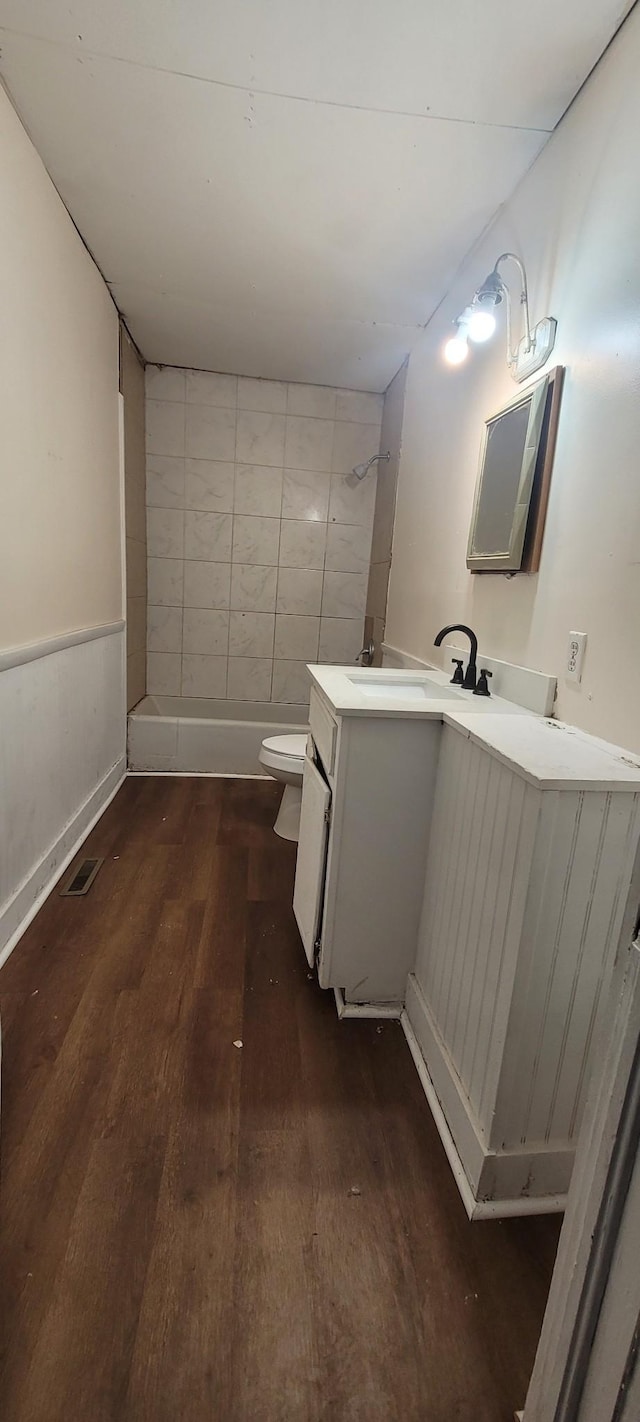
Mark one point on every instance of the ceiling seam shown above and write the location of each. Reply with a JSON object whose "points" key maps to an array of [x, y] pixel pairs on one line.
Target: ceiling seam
{"points": [[273, 93]]}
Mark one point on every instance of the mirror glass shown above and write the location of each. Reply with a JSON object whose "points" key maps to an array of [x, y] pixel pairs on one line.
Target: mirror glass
{"points": [[512, 451], [506, 438]]}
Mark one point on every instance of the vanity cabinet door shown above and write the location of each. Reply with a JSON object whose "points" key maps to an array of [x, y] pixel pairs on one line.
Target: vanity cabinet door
{"points": [[308, 894]]}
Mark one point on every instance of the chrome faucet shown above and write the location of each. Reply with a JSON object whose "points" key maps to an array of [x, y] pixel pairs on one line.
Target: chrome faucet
{"points": [[470, 676], [367, 653]]}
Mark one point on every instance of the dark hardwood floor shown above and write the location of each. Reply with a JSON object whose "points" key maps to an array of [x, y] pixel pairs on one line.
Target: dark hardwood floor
{"points": [[192, 1231]]}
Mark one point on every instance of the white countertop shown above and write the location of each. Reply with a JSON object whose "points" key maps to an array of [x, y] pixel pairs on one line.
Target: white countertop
{"points": [[339, 686], [551, 754], [547, 753]]}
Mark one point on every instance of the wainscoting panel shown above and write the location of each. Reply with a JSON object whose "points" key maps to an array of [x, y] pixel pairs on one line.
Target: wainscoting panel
{"points": [[62, 755]]}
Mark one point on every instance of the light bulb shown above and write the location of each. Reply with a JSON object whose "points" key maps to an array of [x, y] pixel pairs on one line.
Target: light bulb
{"points": [[482, 325], [456, 350]]}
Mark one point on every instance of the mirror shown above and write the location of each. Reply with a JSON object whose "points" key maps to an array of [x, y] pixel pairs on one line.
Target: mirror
{"points": [[513, 481]]}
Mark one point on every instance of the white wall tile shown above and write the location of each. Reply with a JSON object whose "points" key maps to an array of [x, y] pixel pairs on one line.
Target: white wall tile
{"points": [[164, 427], [341, 639], [206, 388], [260, 438], [204, 676], [299, 591], [165, 482], [360, 406], [164, 629], [206, 631], [291, 683], [163, 673], [266, 395], [253, 588], [344, 594], [165, 581], [209, 485], [352, 500], [317, 400], [309, 443], [296, 638], [164, 382], [251, 634], [207, 536], [207, 584], [258, 490], [234, 537], [353, 444], [210, 432], [348, 548], [165, 533], [305, 494], [302, 543], [256, 540], [249, 679]]}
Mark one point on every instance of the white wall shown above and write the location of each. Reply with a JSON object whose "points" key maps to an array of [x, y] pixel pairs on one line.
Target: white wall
{"points": [[575, 221], [61, 706], [133, 394], [60, 524], [258, 540], [385, 511]]}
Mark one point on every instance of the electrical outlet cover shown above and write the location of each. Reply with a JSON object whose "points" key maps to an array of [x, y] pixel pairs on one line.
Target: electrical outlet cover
{"points": [[576, 647]]}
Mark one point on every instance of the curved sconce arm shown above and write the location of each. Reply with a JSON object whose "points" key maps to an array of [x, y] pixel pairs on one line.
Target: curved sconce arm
{"points": [[512, 355], [477, 323]]}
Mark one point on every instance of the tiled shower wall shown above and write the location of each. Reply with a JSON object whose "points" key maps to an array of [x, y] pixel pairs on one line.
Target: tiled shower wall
{"points": [[258, 537]]}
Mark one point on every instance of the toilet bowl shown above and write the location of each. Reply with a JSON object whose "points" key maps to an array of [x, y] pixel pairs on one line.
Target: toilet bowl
{"points": [[283, 757]]}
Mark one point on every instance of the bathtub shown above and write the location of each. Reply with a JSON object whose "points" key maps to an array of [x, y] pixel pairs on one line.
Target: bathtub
{"points": [[189, 735]]}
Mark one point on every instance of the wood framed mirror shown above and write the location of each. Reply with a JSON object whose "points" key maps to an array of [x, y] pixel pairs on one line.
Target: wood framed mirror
{"points": [[512, 490]]}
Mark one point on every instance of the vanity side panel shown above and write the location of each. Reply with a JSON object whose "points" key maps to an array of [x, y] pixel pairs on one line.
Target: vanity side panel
{"points": [[383, 796], [580, 880], [480, 849]]}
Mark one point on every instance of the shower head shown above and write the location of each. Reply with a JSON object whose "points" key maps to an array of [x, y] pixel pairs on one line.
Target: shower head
{"points": [[361, 469]]}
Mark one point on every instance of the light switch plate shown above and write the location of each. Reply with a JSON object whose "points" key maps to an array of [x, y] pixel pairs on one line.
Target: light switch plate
{"points": [[576, 648]]}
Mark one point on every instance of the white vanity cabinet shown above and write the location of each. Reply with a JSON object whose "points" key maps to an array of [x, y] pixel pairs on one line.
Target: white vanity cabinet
{"points": [[366, 803], [534, 833]]}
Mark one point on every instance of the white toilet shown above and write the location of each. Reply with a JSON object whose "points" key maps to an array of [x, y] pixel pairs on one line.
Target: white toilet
{"points": [[283, 757]]}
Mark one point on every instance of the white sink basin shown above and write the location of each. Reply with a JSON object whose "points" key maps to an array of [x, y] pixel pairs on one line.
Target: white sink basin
{"points": [[409, 689]]}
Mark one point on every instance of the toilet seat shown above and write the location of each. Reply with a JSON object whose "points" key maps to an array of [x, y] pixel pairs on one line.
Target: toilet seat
{"points": [[284, 753]]}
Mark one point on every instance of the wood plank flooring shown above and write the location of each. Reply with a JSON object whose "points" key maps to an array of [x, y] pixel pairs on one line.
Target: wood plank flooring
{"points": [[180, 1235]]}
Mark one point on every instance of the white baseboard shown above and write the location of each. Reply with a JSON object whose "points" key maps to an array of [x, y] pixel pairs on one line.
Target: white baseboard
{"points": [[196, 775], [389, 1010], [476, 1209], [17, 914]]}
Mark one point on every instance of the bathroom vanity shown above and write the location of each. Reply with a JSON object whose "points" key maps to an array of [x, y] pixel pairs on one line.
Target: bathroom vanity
{"points": [[368, 790], [465, 864], [362, 850]]}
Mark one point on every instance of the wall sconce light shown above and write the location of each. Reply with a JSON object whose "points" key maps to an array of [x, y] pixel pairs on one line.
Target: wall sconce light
{"points": [[477, 323]]}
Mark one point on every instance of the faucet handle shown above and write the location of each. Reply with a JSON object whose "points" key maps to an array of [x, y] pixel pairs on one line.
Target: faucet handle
{"points": [[482, 688], [458, 675]]}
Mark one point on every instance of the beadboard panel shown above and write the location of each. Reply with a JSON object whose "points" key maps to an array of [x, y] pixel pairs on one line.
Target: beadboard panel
{"points": [[578, 887], [61, 755], [525, 893], [481, 841]]}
